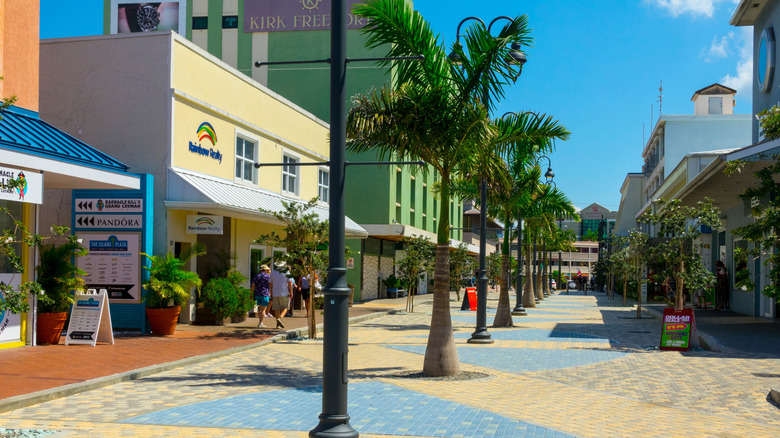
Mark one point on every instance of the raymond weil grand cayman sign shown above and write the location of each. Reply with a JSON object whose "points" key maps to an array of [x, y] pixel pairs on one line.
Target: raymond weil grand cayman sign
{"points": [[294, 15]]}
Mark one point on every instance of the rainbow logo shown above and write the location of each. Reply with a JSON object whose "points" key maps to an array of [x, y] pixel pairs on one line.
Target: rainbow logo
{"points": [[205, 130], [205, 221]]}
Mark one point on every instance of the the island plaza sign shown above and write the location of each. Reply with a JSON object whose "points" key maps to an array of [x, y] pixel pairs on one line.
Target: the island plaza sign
{"points": [[294, 15]]}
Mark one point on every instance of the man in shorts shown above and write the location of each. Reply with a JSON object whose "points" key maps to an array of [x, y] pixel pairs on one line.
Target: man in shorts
{"points": [[281, 292]]}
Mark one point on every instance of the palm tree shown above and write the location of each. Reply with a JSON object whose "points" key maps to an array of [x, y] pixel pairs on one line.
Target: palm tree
{"points": [[541, 212], [437, 113]]}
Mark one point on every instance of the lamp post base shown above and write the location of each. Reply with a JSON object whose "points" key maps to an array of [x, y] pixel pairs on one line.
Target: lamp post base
{"points": [[478, 340], [334, 426], [519, 311]]}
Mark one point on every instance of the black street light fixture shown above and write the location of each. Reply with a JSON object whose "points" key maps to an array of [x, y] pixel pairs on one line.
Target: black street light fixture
{"points": [[481, 335], [334, 419]]}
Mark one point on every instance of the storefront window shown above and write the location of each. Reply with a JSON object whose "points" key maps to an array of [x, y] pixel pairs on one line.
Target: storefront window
{"points": [[289, 175], [324, 186], [245, 159]]}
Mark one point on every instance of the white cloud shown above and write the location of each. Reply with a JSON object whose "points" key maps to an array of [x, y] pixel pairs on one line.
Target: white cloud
{"points": [[719, 48], [695, 8], [742, 80]]}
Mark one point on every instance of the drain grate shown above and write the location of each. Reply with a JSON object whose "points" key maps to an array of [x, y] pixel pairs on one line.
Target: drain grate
{"points": [[639, 331]]}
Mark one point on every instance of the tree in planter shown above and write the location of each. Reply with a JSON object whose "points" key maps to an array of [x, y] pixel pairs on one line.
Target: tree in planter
{"points": [[679, 229], [461, 263], [169, 283], [306, 240], [419, 256]]}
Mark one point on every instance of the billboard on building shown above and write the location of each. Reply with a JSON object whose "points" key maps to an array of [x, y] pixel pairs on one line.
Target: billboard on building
{"points": [[294, 15], [128, 16]]}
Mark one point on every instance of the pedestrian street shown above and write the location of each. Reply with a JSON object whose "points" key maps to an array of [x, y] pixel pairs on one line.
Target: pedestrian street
{"points": [[577, 365]]}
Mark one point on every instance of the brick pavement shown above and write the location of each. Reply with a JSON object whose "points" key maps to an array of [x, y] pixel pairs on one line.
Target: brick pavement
{"points": [[595, 373]]}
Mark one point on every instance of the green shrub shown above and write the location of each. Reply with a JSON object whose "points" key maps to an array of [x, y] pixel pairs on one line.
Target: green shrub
{"points": [[221, 297]]}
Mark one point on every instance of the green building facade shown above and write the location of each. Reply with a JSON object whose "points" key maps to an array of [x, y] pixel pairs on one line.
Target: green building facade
{"points": [[388, 201]]}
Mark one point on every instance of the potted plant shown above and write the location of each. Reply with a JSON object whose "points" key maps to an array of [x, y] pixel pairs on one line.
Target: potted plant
{"points": [[392, 282], [168, 288], [58, 277], [227, 298]]}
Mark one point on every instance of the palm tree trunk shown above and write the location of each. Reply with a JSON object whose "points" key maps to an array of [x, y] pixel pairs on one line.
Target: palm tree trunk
{"points": [[528, 289], [503, 313], [441, 356]]}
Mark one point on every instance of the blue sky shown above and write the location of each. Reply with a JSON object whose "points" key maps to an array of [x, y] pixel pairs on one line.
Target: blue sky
{"points": [[596, 65]]}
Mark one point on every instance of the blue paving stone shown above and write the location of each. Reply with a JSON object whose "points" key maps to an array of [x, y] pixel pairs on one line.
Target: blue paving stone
{"points": [[539, 335], [518, 360], [374, 408], [518, 320]]}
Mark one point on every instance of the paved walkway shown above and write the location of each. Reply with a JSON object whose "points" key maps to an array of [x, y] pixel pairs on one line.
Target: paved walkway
{"points": [[575, 366]]}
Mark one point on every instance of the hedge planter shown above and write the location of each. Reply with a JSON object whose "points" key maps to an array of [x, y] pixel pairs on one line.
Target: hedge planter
{"points": [[49, 327], [162, 322]]}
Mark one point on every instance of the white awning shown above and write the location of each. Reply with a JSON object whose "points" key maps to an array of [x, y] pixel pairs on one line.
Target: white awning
{"points": [[194, 191]]}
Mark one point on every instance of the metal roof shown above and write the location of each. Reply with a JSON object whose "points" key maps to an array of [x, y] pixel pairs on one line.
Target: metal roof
{"points": [[23, 131], [190, 190]]}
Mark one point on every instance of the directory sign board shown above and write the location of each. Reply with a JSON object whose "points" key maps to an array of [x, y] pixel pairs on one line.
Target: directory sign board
{"points": [[677, 329], [113, 263]]}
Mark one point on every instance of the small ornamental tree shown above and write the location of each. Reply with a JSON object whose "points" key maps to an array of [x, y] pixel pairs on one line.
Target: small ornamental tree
{"points": [[677, 247], [306, 240], [461, 263], [763, 231], [419, 257]]}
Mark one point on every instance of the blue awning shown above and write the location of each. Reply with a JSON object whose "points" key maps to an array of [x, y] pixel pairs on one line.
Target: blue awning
{"points": [[21, 130]]}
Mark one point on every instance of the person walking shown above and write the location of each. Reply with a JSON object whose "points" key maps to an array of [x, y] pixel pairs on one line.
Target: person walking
{"points": [[306, 290], [721, 286], [262, 289], [281, 292]]}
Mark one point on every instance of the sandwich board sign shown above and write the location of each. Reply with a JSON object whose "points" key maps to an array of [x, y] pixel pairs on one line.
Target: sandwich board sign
{"points": [[679, 327], [90, 319]]}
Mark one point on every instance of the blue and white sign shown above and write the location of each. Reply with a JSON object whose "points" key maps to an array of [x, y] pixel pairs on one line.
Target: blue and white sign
{"points": [[10, 323]]}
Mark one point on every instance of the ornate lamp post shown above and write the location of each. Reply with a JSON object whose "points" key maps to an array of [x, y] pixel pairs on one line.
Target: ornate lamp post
{"points": [[481, 335]]}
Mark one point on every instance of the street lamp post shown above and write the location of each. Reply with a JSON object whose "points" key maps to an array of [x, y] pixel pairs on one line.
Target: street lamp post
{"points": [[481, 335]]}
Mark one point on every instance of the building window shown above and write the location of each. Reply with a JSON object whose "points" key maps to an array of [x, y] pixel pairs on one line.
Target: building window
{"points": [[246, 151], [230, 22], [200, 23], [290, 174], [323, 186]]}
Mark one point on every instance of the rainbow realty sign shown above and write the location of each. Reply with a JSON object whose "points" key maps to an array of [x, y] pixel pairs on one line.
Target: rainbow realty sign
{"points": [[201, 224]]}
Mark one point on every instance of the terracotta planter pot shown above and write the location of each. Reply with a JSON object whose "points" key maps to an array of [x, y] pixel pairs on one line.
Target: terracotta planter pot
{"points": [[48, 328], [163, 321]]}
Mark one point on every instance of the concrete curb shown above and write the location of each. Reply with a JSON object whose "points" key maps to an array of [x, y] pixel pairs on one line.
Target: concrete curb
{"points": [[25, 400]]}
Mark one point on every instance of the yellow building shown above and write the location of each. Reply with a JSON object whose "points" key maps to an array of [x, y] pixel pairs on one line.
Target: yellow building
{"points": [[166, 107]]}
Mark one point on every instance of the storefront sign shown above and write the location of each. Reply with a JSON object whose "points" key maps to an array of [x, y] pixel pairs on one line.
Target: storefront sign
{"points": [[201, 224], [206, 134], [29, 186], [108, 221], [90, 319], [677, 329], [112, 263], [10, 323], [108, 205], [294, 15]]}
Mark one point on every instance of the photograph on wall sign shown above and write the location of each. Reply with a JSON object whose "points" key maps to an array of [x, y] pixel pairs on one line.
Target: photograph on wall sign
{"points": [[129, 17], [10, 323], [113, 263]]}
